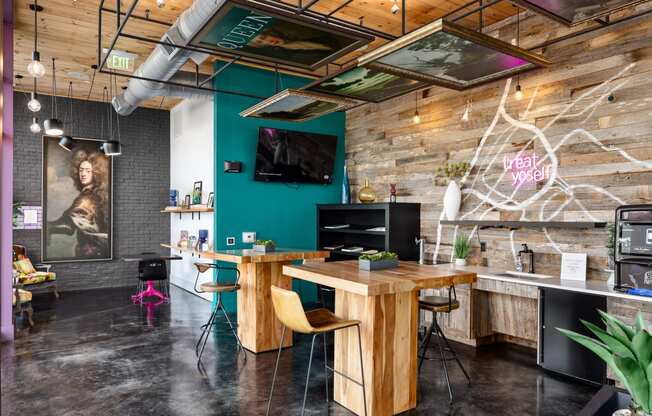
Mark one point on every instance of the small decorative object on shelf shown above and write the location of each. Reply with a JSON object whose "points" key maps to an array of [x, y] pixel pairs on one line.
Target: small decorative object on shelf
{"points": [[378, 261], [173, 198], [461, 249], [183, 239], [192, 242], [626, 350], [186, 201], [264, 246], [346, 186], [366, 194], [196, 193], [453, 194], [210, 202], [392, 192]]}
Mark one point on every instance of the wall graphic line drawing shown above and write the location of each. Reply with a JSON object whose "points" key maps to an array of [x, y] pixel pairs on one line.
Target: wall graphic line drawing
{"points": [[555, 185]]}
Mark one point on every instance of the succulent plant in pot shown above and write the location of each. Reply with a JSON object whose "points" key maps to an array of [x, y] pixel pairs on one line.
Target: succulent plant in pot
{"points": [[461, 249], [264, 245], [627, 350]]}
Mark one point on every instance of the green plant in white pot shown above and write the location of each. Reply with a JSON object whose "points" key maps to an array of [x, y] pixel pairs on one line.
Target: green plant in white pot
{"points": [[627, 350], [461, 249]]}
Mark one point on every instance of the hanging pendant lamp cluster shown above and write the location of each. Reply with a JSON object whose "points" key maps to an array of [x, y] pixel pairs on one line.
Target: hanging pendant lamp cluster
{"points": [[66, 141], [111, 147]]}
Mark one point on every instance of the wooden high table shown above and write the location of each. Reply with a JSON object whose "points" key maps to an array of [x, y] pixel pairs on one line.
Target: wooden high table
{"points": [[258, 328], [386, 303]]}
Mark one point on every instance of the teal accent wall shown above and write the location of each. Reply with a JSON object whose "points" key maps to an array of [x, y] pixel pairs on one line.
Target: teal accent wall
{"points": [[276, 211]]}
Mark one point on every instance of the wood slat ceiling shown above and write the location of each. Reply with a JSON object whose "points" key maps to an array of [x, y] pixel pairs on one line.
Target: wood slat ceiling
{"points": [[67, 31]]}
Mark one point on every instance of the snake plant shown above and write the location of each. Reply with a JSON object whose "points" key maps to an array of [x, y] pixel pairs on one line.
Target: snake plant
{"points": [[627, 350]]}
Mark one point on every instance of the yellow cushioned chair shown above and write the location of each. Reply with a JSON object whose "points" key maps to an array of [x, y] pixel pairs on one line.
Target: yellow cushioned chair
{"points": [[289, 310], [28, 275]]}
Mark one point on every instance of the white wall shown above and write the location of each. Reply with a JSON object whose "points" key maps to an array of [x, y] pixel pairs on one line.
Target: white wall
{"points": [[191, 159]]}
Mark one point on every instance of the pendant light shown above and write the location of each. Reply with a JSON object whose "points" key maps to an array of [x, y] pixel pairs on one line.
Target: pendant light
{"points": [[416, 119], [66, 141], [395, 9], [35, 67], [518, 94], [35, 127], [111, 147], [53, 126], [34, 105]]}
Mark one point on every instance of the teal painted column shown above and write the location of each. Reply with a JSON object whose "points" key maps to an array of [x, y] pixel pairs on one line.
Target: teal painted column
{"points": [[284, 213]]}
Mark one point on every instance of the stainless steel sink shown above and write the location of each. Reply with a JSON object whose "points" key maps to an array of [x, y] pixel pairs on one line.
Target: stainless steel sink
{"points": [[510, 273]]}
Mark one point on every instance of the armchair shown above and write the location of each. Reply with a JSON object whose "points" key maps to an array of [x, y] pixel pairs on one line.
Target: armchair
{"points": [[27, 273]]}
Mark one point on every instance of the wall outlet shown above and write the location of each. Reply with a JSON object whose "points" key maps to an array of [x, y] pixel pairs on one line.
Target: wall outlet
{"points": [[230, 241], [248, 237]]}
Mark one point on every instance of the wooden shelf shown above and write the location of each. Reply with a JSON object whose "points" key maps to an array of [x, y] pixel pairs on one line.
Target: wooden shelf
{"points": [[528, 224], [191, 210], [351, 231]]}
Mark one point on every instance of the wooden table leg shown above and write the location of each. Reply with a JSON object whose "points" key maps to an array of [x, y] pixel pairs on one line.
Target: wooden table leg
{"points": [[258, 328], [389, 352]]}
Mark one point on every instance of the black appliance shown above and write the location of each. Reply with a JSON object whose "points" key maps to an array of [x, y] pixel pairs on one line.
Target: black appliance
{"points": [[558, 353], [633, 246], [294, 156]]}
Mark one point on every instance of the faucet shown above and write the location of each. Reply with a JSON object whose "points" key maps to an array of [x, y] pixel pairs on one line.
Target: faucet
{"points": [[422, 249]]}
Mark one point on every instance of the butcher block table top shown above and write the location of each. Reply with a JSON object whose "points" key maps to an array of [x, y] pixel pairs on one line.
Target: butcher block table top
{"points": [[407, 277], [245, 256]]}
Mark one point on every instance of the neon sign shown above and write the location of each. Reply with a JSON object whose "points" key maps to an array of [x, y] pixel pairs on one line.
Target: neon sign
{"points": [[525, 170]]}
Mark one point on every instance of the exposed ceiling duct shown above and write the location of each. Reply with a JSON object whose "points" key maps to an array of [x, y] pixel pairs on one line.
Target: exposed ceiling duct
{"points": [[165, 61]]}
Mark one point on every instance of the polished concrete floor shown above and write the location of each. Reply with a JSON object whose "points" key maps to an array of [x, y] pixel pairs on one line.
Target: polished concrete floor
{"points": [[96, 354]]}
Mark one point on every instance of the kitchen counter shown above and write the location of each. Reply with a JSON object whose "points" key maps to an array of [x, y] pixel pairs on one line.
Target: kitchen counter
{"points": [[593, 287]]}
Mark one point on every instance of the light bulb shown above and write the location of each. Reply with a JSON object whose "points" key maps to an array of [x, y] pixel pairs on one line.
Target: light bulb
{"points": [[36, 68], [395, 8], [35, 127], [160, 3], [518, 94], [416, 119], [34, 104]]}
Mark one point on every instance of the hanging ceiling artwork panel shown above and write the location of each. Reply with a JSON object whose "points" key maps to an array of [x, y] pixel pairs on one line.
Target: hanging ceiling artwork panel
{"points": [[452, 56], [297, 106], [370, 83], [574, 12], [273, 35]]}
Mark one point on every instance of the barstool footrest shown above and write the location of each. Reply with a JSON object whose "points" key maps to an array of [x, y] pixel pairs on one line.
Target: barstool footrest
{"points": [[339, 373]]}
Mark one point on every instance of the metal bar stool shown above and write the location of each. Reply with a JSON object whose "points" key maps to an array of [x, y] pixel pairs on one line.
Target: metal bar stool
{"points": [[440, 304], [218, 287], [289, 311]]}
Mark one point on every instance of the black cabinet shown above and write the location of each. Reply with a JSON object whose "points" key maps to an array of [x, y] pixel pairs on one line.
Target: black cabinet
{"points": [[400, 222], [564, 309]]}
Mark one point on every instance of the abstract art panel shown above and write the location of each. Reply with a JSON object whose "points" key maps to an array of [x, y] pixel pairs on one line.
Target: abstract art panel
{"points": [[367, 84], [452, 56], [77, 202], [297, 106]]}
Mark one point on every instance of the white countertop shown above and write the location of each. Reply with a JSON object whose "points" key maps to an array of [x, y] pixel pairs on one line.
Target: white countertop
{"points": [[593, 287]]}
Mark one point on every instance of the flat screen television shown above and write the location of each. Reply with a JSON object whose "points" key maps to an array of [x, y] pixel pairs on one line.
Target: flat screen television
{"points": [[294, 156]]}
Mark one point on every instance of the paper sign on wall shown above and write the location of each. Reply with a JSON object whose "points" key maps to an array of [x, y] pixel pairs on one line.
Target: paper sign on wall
{"points": [[573, 266]]}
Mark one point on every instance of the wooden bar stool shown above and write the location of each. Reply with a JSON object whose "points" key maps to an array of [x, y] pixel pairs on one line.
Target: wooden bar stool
{"points": [[289, 311], [440, 304], [217, 287]]}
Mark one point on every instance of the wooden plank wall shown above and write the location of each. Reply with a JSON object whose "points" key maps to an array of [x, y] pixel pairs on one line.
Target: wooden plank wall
{"points": [[384, 145]]}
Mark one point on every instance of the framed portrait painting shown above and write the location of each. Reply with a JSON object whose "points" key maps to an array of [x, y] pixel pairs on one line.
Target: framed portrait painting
{"points": [[77, 202]]}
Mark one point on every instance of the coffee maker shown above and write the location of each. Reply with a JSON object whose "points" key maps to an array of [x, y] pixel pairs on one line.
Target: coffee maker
{"points": [[633, 246]]}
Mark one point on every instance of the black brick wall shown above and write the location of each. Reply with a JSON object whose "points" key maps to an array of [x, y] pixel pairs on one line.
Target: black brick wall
{"points": [[141, 179]]}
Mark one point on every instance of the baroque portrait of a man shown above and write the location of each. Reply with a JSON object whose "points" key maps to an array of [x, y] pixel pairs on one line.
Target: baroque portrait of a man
{"points": [[77, 202]]}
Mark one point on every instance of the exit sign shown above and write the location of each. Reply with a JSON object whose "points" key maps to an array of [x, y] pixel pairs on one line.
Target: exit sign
{"points": [[121, 60]]}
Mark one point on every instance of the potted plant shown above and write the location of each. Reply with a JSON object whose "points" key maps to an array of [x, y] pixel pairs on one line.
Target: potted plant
{"points": [[264, 246], [453, 194], [461, 249], [378, 261], [17, 211], [627, 350]]}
